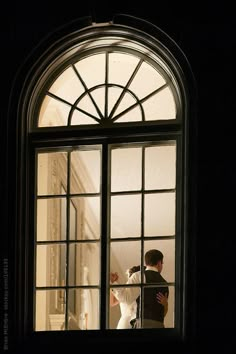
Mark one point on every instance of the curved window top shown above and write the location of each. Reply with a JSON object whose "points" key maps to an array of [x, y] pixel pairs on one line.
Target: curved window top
{"points": [[106, 79]]}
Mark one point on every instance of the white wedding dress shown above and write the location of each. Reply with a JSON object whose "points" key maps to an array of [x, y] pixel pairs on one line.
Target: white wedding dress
{"points": [[128, 312]]}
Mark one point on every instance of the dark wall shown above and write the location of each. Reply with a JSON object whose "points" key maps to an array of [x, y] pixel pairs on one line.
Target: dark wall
{"points": [[206, 34]]}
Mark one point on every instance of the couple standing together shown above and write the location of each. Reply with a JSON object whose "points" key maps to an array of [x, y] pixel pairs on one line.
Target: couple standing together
{"points": [[155, 304]]}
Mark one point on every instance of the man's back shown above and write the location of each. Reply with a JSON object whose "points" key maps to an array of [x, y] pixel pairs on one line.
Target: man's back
{"points": [[153, 311], [152, 308]]}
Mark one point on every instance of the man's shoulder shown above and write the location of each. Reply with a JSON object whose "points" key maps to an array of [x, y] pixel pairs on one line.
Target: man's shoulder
{"points": [[162, 279], [153, 274]]}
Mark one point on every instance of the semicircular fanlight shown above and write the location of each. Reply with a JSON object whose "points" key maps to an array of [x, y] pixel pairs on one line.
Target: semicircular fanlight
{"points": [[107, 88]]}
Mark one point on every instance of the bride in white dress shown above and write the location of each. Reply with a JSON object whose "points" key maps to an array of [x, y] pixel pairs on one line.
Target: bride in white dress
{"points": [[128, 312]]}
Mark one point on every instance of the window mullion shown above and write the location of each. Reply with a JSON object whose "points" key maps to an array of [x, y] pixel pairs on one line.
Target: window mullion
{"points": [[104, 298], [67, 239]]}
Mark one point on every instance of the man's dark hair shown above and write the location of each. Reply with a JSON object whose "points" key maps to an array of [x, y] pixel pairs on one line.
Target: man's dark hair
{"points": [[152, 257]]}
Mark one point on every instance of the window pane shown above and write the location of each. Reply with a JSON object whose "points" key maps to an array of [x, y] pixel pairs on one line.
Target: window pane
{"points": [[92, 77], [87, 225], [126, 169], [146, 81], [170, 316], [79, 117], [51, 265], [67, 86], [123, 256], [128, 100], [83, 309], [160, 106], [159, 214], [126, 216], [85, 171], [51, 219], [52, 173], [84, 263], [50, 310], [53, 113], [121, 314], [160, 167], [167, 247], [151, 292], [121, 67]]}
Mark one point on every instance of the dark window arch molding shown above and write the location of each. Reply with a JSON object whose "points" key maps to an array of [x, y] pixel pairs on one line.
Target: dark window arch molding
{"points": [[22, 95]]}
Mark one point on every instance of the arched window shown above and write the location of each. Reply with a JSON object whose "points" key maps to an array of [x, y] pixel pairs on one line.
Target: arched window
{"points": [[107, 110]]}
